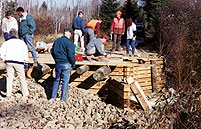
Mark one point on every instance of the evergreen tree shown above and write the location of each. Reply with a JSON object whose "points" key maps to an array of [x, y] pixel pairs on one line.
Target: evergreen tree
{"points": [[108, 9]]}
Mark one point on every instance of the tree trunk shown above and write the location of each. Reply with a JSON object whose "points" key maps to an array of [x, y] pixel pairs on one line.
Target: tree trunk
{"points": [[82, 69], [101, 73]]}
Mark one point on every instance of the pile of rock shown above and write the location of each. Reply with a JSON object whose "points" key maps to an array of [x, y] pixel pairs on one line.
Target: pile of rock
{"points": [[81, 110]]}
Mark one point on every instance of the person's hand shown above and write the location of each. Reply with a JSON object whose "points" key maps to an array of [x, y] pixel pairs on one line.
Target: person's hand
{"points": [[73, 66]]}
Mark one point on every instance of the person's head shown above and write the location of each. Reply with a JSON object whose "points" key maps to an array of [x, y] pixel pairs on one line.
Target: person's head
{"points": [[80, 13], [20, 11], [104, 38], [100, 20], [13, 32], [129, 22], [118, 14], [8, 14], [68, 32]]}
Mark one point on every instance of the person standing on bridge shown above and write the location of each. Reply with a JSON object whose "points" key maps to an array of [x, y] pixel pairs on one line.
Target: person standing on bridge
{"points": [[79, 30], [8, 23], [14, 53], [117, 29], [63, 52], [27, 26], [131, 31]]}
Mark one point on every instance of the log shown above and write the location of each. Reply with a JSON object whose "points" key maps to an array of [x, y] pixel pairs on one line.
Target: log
{"points": [[2, 66], [38, 72], [101, 73], [82, 69]]}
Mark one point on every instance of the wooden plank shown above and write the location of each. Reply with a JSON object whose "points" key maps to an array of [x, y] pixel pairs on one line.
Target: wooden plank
{"points": [[136, 89], [138, 92]]}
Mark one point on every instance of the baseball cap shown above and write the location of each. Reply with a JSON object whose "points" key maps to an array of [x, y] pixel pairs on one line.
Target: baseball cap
{"points": [[105, 36], [68, 29]]}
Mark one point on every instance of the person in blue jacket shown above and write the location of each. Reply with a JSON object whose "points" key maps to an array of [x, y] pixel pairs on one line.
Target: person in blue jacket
{"points": [[79, 30], [63, 52], [27, 26]]}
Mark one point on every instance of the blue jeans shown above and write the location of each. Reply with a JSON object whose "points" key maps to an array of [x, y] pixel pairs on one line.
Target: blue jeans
{"points": [[128, 41], [64, 70], [6, 36], [28, 39], [90, 35]]}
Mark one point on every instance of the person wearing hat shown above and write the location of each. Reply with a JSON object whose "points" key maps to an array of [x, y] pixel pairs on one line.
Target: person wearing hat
{"points": [[96, 47], [63, 52], [14, 53], [79, 30], [27, 26], [92, 29], [117, 29], [8, 23]]}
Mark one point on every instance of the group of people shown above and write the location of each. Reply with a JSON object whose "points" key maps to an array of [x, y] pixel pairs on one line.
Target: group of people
{"points": [[91, 30], [14, 51]]}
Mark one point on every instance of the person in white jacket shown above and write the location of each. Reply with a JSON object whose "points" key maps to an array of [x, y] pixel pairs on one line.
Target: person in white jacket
{"points": [[14, 53], [8, 23], [130, 40]]}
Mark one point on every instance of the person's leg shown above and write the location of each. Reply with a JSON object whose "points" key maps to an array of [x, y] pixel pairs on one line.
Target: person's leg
{"points": [[76, 36], [81, 40], [55, 86], [66, 76], [127, 46], [118, 42], [29, 41], [114, 42], [91, 34], [133, 46], [9, 78], [21, 74]]}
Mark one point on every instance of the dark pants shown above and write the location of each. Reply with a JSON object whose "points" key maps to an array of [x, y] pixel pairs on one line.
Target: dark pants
{"points": [[6, 36], [116, 42]]}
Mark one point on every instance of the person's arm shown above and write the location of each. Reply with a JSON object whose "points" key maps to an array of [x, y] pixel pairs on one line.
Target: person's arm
{"points": [[112, 27], [3, 52], [15, 24], [82, 26], [123, 27], [31, 23], [3, 27], [25, 49], [97, 28], [71, 54]]}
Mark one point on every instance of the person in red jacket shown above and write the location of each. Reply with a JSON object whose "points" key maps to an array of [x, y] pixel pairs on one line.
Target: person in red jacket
{"points": [[118, 29]]}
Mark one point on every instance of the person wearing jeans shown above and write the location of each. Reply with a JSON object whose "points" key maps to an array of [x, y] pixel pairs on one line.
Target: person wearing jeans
{"points": [[130, 36], [92, 29], [63, 52], [27, 26], [14, 53]]}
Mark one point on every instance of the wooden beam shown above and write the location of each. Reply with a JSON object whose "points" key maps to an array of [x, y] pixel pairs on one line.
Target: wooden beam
{"points": [[154, 75], [138, 92]]}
